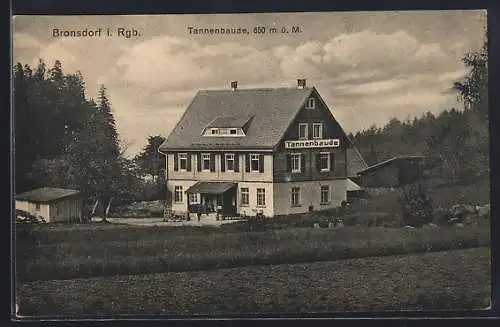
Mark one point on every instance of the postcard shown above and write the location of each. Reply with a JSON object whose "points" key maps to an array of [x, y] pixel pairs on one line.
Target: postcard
{"points": [[229, 165]]}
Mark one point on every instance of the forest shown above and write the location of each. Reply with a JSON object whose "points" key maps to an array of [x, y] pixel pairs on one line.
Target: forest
{"points": [[65, 139], [455, 142]]}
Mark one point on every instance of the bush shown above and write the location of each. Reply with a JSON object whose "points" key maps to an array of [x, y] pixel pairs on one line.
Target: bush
{"points": [[416, 205], [373, 219]]}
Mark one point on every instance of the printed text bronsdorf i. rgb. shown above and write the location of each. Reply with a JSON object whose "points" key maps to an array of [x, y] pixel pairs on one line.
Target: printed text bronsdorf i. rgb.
{"points": [[124, 32]]}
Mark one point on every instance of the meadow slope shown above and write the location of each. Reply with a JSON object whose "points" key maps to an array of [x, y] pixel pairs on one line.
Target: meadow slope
{"points": [[142, 253], [458, 279]]}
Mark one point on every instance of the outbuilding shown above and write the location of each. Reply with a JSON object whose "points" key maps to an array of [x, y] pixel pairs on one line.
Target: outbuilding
{"points": [[391, 174], [53, 204]]}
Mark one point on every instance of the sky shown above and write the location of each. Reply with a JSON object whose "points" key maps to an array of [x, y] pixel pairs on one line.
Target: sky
{"points": [[368, 66]]}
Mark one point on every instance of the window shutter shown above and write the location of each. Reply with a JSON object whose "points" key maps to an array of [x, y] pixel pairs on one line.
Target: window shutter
{"points": [[261, 163], [198, 161], [189, 158], [302, 162], [288, 163], [212, 162], [318, 162], [176, 162], [332, 161], [236, 162], [222, 162], [247, 162]]}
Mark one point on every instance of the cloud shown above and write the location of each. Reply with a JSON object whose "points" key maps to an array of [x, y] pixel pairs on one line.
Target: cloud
{"points": [[172, 63], [431, 51], [361, 74]]}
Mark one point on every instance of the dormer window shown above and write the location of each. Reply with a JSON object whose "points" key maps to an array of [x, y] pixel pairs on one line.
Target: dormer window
{"points": [[310, 103], [228, 125], [224, 131]]}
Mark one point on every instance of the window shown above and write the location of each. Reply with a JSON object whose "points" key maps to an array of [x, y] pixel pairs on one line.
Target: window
{"points": [[302, 131], [183, 161], [310, 103], [324, 161], [229, 161], [193, 198], [254, 162], [37, 206], [205, 162], [261, 197], [214, 131], [178, 194], [296, 162], [325, 194], [232, 131], [295, 196], [245, 199], [317, 130]]}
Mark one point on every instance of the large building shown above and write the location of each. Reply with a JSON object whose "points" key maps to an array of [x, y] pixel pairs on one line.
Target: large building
{"points": [[273, 151]]}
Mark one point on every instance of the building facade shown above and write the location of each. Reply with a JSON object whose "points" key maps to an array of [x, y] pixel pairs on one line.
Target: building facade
{"points": [[247, 151], [53, 204]]}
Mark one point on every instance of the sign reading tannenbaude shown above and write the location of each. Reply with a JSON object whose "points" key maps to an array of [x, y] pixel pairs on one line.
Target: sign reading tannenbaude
{"points": [[327, 143]]}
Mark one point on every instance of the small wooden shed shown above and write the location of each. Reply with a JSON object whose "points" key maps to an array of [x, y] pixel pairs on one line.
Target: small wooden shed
{"points": [[53, 204], [393, 173]]}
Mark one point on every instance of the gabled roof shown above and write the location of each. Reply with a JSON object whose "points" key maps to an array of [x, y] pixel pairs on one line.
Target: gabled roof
{"points": [[274, 109], [391, 160], [46, 194]]}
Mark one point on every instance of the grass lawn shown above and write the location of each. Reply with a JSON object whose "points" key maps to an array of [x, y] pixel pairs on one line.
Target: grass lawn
{"points": [[109, 252], [458, 279]]}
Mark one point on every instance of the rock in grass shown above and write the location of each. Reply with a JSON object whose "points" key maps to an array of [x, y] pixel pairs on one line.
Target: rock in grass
{"points": [[462, 209], [483, 211]]}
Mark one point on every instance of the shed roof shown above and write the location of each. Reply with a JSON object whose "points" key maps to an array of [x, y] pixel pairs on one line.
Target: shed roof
{"points": [[46, 194], [352, 186], [390, 161], [272, 109], [210, 187]]}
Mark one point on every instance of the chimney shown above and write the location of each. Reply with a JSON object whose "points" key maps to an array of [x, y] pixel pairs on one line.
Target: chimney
{"points": [[234, 85], [301, 83]]}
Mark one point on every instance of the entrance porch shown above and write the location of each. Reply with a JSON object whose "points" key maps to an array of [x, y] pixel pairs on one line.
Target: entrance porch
{"points": [[212, 197]]}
